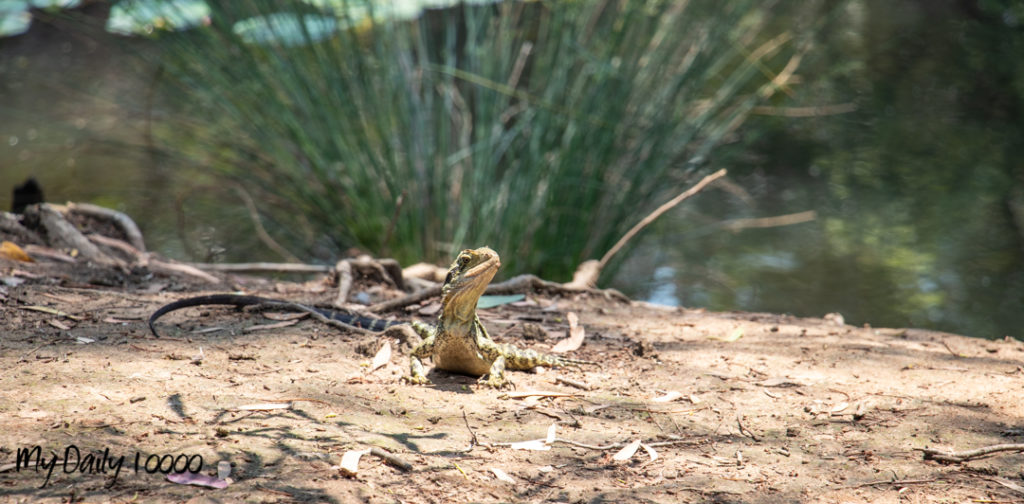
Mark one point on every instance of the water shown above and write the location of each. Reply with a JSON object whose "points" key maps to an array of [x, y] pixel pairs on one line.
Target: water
{"points": [[918, 187]]}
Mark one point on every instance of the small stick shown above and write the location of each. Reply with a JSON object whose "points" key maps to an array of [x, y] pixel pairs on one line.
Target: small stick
{"points": [[391, 459], [261, 232], [572, 383], [344, 269], [657, 213], [263, 267], [401, 302], [743, 430], [472, 440], [955, 354], [895, 482], [964, 456]]}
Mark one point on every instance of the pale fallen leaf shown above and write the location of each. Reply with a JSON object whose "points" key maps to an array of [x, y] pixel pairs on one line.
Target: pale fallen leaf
{"points": [[672, 395], [650, 451], [51, 311], [383, 357], [576, 335], [58, 324], [551, 434], [528, 393], [263, 407], [533, 444], [839, 407], [198, 479], [502, 475], [83, 340], [695, 400], [733, 336], [350, 461], [627, 451], [491, 301], [546, 469]]}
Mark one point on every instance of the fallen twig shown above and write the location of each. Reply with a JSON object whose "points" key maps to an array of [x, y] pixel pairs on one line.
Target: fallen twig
{"points": [[572, 383], [391, 459], [63, 234], [473, 441], [964, 456], [765, 222], [344, 272], [896, 482], [657, 213], [120, 219], [404, 301], [955, 353], [743, 430], [170, 267], [261, 232], [263, 267]]}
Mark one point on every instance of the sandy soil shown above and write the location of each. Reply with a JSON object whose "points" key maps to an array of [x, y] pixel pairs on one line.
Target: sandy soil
{"points": [[767, 408]]}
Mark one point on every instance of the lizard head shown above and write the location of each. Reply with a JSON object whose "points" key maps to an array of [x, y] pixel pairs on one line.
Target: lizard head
{"points": [[467, 279]]}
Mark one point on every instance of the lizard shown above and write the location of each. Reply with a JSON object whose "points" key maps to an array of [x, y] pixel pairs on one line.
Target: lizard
{"points": [[458, 343]]}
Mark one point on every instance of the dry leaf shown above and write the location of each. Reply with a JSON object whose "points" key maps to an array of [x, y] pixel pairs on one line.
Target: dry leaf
{"points": [[58, 324], [502, 475], [733, 336], [576, 335], [537, 444], [627, 451], [350, 461], [520, 395], [263, 407], [198, 479], [839, 407], [51, 311], [650, 452], [8, 250], [383, 357], [672, 395], [533, 444]]}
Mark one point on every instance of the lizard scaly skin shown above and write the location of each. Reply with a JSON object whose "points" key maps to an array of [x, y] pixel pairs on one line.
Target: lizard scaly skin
{"points": [[460, 343]]}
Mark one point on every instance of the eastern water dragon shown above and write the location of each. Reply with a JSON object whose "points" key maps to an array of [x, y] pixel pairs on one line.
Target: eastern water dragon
{"points": [[458, 343]]}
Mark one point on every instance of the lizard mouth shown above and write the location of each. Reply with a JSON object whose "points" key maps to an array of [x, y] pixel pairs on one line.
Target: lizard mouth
{"points": [[486, 266]]}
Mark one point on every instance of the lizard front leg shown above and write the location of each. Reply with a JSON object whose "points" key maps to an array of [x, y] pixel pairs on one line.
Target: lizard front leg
{"points": [[423, 350], [496, 374]]}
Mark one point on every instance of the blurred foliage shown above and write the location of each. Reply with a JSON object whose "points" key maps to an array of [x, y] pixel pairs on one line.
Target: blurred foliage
{"points": [[542, 129]]}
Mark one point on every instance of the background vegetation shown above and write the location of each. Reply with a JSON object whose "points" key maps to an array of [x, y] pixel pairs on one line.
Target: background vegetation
{"points": [[543, 129], [546, 129]]}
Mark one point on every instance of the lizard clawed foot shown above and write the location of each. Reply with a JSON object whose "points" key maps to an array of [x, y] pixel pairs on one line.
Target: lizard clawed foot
{"points": [[416, 380], [497, 382]]}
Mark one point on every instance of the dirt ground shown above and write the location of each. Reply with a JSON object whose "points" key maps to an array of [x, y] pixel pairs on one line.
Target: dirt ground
{"points": [[730, 407]]}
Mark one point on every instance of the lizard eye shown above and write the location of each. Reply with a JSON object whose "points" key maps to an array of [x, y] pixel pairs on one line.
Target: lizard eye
{"points": [[463, 261]]}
